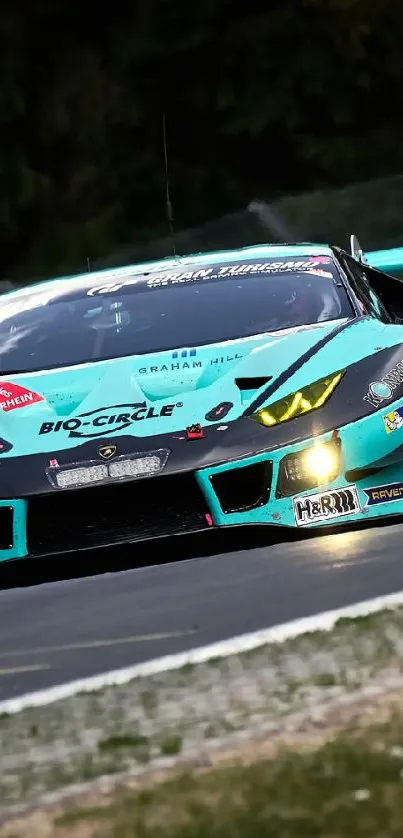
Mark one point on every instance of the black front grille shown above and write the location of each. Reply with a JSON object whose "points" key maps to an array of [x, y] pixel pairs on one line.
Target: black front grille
{"points": [[113, 514], [242, 488], [6, 527]]}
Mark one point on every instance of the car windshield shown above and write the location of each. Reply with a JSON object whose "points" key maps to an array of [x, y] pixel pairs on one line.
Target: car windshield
{"points": [[79, 320]]}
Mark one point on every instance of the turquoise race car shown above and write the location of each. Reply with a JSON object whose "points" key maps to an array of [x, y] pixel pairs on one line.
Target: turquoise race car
{"points": [[257, 386]]}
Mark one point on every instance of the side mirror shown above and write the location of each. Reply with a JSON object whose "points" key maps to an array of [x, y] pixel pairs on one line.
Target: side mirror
{"points": [[355, 249]]}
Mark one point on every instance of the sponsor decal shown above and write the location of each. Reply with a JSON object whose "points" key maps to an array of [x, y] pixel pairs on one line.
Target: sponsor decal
{"points": [[187, 365], [225, 359], [112, 287], [184, 353], [319, 272], [102, 421], [107, 451], [218, 413], [384, 494], [235, 269], [158, 278], [382, 390], [5, 446], [394, 420], [326, 506], [194, 432], [14, 396]]}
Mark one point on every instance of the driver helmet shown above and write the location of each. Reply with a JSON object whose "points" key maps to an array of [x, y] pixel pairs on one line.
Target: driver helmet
{"points": [[111, 315], [311, 300]]}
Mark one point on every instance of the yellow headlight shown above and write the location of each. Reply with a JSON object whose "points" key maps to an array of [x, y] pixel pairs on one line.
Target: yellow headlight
{"points": [[314, 466], [296, 404], [322, 462]]}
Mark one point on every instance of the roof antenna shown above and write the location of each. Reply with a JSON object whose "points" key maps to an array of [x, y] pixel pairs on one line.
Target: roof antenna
{"points": [[88, 264], [168, 198]]}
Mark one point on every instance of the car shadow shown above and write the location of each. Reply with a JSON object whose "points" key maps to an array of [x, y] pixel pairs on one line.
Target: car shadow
{"points": [[34, 571], [79, 564]]}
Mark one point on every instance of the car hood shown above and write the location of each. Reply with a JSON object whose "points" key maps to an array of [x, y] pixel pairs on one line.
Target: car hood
{"points": [[166, 392]]}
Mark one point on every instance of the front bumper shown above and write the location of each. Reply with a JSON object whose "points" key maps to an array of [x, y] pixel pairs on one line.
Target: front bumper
{"points": [[239, 491]]}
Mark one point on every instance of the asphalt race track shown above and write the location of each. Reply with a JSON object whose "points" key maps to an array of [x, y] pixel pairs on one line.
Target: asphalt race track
{"points": [[61, 629]]}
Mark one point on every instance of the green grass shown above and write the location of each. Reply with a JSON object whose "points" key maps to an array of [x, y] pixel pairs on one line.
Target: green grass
{"points": [[352, 785], [158, 720], [172, 745], [124, 741], [136, 745]]}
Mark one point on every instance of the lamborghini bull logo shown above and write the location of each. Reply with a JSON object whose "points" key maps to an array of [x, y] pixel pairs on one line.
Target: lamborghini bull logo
{"points": [[107, 451], [104, 420]]}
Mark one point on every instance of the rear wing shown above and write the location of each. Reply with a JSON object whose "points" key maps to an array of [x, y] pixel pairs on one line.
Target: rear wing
{"points": [[390, 260]]}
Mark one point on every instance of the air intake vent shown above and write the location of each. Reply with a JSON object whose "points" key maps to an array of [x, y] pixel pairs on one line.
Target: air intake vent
{"points": [[112, 514], [243, 488], [6, 527], [252, 383]]}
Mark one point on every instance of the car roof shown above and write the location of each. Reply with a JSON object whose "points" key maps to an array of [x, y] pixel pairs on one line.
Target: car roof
{"points": [[61, 283]]}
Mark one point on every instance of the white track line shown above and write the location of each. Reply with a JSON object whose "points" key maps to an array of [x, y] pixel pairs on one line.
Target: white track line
{"points": [[324, 621]]}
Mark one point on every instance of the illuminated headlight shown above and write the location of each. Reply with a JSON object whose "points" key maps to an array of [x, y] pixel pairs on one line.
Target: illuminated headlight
{"points": [[126, 467], [81, 476], [314, 466], [296, 404], [134, 468]]}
